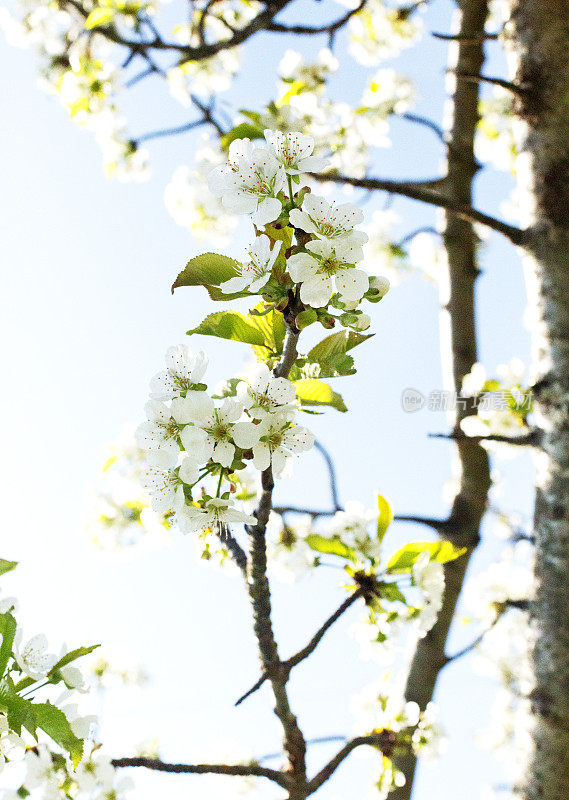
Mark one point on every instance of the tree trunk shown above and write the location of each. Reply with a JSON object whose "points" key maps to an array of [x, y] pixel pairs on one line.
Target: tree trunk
{"points": [[538, 41], [458, 352]]}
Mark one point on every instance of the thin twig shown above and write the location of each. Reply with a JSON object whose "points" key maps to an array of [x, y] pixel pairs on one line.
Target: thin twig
{"points": [[332, 475], [383, 740], [285, 667], [310, 30], [427, 123], [530, 439]]}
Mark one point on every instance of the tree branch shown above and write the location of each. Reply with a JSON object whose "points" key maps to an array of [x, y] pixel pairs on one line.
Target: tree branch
{"points": [[531, 439], [311, 30], [331, 474], [431, 192], [203, 769]]}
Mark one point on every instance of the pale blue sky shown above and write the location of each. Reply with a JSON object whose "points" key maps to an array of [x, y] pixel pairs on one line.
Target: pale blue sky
{"points": [[86, 317]]}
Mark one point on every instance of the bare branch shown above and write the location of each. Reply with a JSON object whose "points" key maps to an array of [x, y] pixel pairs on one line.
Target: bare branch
{"points": [[237, 552], [450, 37], [310, 30], [203, 769], [511, 87], [384, 741], [284, 667]]}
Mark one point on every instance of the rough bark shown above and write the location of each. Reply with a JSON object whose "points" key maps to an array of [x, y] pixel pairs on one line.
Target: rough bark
{"points": [[538, 40], [459, 353]]}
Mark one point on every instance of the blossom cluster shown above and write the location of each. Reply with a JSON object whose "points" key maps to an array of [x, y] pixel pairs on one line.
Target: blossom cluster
{"points": [[197, 438]]}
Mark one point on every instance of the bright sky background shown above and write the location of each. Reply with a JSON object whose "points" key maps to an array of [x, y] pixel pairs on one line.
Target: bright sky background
{"points": [[87, 315]]}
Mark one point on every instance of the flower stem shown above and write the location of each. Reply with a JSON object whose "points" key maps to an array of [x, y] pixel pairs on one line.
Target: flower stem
{"points": [[219, 483]]}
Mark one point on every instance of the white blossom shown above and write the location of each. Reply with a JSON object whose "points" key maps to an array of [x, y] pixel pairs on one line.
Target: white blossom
{"points": [[328, 266], [166, 486], [12, 747], [430, 578], [257, 270], [249, 182], [277, 440], [294, 151], [32, 657], [216, 513], [184, 369], [211, 435], [159, 434], [330, 221], [264, 394]]}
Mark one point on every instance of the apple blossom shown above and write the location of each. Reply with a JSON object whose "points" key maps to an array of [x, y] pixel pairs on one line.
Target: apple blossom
{"points": [[159, 434], [257, 271], [326, 268]]}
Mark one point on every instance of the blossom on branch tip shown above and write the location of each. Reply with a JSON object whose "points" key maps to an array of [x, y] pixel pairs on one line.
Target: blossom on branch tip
{"points": [[326, 268], [254, 274]]}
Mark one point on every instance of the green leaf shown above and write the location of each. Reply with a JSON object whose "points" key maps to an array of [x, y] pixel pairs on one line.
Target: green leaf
{"points": [[231, 325], [73, 655], [54, 722], [404, 559], [8, 627], [19, 711], [390, 591], [273, 328], [337, 343], [245, 130], [98, 18], [210, 270], [330, 353], [313, 392], [334, 546], [385, 517], [7, 566]]}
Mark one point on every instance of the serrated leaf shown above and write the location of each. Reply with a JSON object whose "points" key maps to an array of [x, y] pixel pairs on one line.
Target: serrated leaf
{"points": [[313, 392], [18, 710], [384, 518], [330, 353], [98, 18], [404, 559], [339, 342], [231, 325], [7, 566], [54, 722], [245, 130], [210, 270], [334, 546], [8, 627], [389, 591]]}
